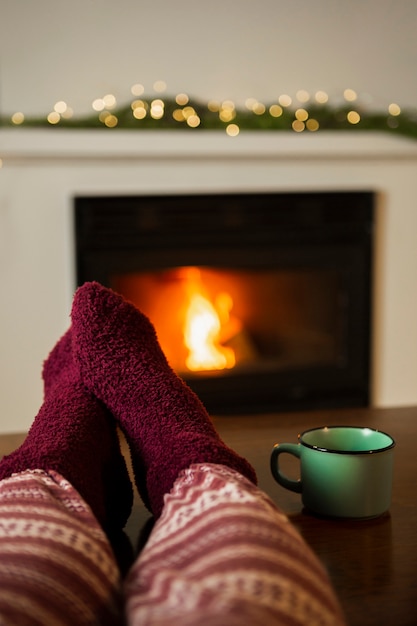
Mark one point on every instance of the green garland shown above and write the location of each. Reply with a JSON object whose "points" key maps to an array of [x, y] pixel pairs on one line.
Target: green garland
{"points": [[325, 117]]}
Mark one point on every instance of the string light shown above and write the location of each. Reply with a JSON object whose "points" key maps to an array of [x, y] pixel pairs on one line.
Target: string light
{"points": [[302, 96], [98, 104], [275, 110], [111, 121], [109, 101], [285, 100], [18, 118], [160, 86], [353, 117], [182, 99], [286, 113], [232, 130], [394, 109], [54, 117], [137, 89], [250, 103], [227, 111], [350, 95], [321, 97], [139, 109], [259, 108], [312, 125], [301, 115], [298, 126], [193, 121], [157, 109]]}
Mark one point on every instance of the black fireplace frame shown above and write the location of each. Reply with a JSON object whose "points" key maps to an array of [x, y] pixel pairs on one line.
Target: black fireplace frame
{"points": [[118, 234]]}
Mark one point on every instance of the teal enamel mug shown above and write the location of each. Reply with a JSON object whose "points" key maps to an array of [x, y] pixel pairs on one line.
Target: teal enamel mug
{"points": [[345, 471]]}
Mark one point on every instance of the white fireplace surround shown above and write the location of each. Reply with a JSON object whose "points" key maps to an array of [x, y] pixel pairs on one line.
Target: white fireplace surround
{"points": [[44, 169]]}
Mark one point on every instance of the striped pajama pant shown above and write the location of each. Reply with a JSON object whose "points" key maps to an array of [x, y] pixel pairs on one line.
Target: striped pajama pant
{"points": [[220, 554]]}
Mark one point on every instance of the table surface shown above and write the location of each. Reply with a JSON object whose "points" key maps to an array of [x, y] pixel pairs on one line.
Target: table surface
{"points": [[372, 563]]}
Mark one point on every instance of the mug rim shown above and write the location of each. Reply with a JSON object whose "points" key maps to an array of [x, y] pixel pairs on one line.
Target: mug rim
{"points": [[355, 452]]}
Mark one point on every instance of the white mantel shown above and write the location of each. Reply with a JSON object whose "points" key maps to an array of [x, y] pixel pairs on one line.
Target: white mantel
{"points": [[43, 169]]}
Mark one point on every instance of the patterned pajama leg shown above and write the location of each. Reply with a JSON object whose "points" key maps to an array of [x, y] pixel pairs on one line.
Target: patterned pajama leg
{"points": [[222, 554], [56, 564]]}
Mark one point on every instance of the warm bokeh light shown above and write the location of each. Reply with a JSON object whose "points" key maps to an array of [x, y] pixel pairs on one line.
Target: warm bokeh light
{"points": [[275, 110], [193, 121], [139, 109], [157, 109], [98, 104], [213, 106], [285, 100], [227, 113], [102, 116], [250, 103], [353, 117], [301, 115], [312, 125], [394, 109], [302, 95], [182, 99], [259, 108], [228, 105], [232, 130], [321, 97], [136, 104], [18, 118], [188, 112], [111, 121], [137, 89], [298, 126], [54, 117], [68, 113], [109, 101], [350, 95], [160, 86], [60, 107], [139, 113], [178, 115]]}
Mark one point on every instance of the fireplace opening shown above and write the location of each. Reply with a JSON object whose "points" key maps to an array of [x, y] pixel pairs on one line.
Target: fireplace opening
{"points": [[261, 302]]}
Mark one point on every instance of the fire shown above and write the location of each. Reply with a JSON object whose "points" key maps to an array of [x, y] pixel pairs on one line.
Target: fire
{"points": [[204, 323]]}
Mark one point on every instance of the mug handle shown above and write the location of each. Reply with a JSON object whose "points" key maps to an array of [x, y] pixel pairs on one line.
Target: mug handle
{"points": [[289, 448]]}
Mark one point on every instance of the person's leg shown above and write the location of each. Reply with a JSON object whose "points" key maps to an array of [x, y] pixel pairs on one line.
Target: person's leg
{"points": [[74, 437], [165, 424], [57, 567], [221, 553]]}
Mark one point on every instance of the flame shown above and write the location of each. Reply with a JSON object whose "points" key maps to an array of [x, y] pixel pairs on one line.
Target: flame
{"points": [[203, 326]]}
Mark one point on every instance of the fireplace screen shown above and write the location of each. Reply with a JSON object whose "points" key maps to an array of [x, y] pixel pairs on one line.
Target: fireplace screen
{"points": [[260, 301]]}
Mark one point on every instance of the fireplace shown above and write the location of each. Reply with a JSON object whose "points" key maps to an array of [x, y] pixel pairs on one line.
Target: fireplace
{"points": [[261, 301]]}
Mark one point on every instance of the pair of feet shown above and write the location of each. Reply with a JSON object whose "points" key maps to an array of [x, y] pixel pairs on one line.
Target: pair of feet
{"points": [[108, 370]]}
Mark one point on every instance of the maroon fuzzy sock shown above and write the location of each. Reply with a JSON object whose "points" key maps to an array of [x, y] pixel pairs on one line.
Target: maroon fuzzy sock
{"points": [[75, 435], [165, 424]]}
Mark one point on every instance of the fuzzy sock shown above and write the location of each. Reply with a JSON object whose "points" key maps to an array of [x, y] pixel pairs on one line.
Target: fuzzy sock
{"points": [[75, 435], [120, 361]]}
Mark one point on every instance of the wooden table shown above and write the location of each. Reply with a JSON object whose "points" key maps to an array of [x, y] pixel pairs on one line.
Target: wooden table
{"points": [[373, 563]]}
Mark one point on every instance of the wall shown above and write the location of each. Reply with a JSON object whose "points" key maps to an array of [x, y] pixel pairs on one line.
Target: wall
{"points": [[222, 49]]}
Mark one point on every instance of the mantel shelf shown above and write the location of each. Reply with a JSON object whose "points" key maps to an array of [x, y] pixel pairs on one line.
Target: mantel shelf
{"points": [[100, 145]]}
